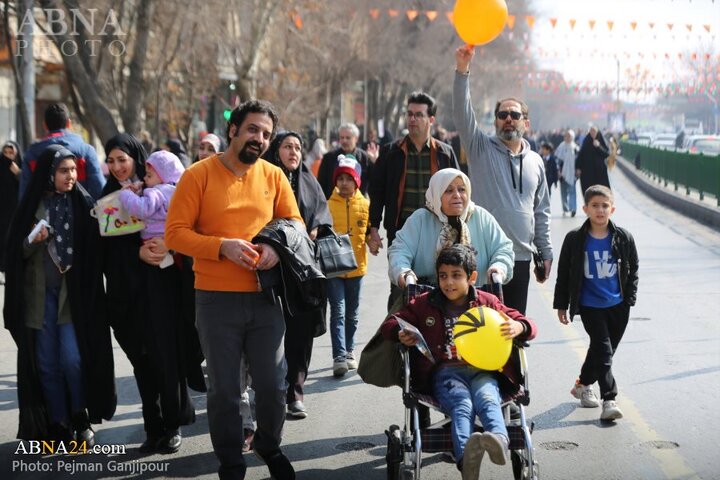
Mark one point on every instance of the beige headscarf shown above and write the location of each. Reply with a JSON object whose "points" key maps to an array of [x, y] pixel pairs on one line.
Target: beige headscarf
{"points": [[433, 201]]}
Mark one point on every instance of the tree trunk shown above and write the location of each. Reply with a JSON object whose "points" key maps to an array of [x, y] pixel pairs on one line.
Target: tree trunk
{"points": [[136, 83]]}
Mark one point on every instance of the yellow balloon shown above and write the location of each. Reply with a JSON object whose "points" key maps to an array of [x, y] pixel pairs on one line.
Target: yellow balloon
{"points": [[478, 339], [478, 22]]}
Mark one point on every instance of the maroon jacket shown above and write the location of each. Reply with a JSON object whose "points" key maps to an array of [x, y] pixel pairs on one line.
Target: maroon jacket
{"points": [[431, 305]]}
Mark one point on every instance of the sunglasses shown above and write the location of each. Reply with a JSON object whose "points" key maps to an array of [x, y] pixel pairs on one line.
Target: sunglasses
{"points": [[512, 114]]}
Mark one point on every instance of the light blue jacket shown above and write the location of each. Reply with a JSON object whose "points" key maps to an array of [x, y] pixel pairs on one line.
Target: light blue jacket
{"points": [[415, 247]]}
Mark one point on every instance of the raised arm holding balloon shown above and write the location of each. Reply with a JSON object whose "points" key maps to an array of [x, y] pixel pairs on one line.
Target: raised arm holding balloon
{"points": [[517, 196]]}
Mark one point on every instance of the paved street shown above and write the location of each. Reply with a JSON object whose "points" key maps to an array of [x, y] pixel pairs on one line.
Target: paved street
{"points": [[667, 368]]}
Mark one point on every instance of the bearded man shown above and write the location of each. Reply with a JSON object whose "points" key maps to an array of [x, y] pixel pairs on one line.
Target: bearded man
{"points": [[507, 177], [220, 204]]}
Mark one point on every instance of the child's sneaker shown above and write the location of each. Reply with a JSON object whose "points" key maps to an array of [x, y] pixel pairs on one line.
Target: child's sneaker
{"points": [[610, 411], [472, 457], [585, 394], [352, 364], [340, 366], [496, 446]]}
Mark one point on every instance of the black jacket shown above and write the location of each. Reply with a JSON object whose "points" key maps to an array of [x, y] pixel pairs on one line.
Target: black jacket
{"points": [[388, 186], [571, 267], [297, 278], [330, 163]]}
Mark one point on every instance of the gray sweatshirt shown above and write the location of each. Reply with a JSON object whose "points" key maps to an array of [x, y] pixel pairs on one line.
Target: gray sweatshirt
{"points": [[511, 187]]}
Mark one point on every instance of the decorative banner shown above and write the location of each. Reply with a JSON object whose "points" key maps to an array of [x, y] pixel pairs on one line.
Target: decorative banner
{"points": [[393, 13], [553, 22], [707, 28], [530, 20], [449, 16], [651, 25], [375, 13], [633, 25], [592, 24], [411, 14], [572, 24], [689, 27], [610, 24], [670, 26], [431, 14], [511, 21]]}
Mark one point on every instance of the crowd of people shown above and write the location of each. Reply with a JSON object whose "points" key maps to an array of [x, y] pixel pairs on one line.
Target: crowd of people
{"points": [[222, 268]]}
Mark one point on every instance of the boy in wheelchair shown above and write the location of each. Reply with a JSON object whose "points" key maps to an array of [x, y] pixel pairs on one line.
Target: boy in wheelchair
{"points": [[462, 390]]}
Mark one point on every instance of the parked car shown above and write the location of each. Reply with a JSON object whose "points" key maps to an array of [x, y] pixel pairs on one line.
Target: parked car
{"points": [[644, 138], [666, 141], [705, 144]]}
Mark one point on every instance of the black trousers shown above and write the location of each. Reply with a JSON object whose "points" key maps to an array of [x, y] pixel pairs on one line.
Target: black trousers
{"points": [[606, 327], [299, 335], [516, 290]]}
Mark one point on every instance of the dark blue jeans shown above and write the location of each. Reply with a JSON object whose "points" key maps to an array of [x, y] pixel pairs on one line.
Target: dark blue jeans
{"points": [[59, 362], [344, 297]]}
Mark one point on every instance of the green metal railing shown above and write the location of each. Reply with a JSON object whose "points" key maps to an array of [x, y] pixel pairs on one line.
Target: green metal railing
{"points": [[688, 170]]}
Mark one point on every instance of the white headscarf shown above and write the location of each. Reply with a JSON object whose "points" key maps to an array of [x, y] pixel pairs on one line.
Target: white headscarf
{"points": [[433, 201]]}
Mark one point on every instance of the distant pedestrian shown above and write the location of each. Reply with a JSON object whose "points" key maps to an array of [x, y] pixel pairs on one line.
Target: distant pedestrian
{"points": [[57, 122], [565, 154], [551, 169], [10, 162], [591, 162], [598, 278]]}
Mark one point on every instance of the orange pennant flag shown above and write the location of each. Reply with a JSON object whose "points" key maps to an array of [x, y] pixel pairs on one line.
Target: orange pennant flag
{"points": [[707, 28], [610, 24], [449, 16], [553, 22], [375, 13], [670, 26], [393, 13], [572, 23], [431, 14], [298, 20], [652, 25], [411, 14], [633, 25], [689, 27], [530, 20], [591, 23], [511, 21]]}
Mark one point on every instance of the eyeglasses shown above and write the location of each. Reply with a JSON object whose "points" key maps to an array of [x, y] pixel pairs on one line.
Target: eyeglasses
{"points": [[415, 115], [512, 114]]}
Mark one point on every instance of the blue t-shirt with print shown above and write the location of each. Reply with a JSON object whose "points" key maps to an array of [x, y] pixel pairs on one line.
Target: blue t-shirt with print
{"points": [[600, 286]]}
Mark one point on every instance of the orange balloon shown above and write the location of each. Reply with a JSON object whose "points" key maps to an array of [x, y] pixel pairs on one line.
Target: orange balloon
{"points": [[478, 22]]}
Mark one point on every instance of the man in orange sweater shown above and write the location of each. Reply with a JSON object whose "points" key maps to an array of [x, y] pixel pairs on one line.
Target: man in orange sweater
{"points": [[220, 204]]}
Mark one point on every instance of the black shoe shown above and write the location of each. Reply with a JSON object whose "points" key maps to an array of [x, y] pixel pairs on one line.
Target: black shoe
{"points": [[170, 442], [61, 432], [151, 444], [83, 431], [572, 214], [279, 465]]}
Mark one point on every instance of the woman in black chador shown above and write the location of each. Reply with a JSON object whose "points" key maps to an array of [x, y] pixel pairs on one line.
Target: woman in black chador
{"points": [[591, 160], [54, 307]]}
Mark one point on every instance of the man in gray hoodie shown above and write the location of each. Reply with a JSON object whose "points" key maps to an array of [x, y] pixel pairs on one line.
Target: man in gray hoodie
{"points": [[508, 179]]}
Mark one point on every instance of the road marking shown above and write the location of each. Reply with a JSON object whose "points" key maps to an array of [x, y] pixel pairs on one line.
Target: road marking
{"points": [[670, 461]]}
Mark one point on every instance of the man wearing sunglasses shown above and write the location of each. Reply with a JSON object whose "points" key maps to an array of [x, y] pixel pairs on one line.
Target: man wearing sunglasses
{"points": [[508, 178]]}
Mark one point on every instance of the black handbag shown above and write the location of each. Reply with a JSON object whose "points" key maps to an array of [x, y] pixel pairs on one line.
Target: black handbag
{"points": [[335, 253]]}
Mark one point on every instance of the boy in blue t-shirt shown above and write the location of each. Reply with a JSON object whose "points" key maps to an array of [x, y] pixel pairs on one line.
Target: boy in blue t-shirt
{"points": [[598, 277]]}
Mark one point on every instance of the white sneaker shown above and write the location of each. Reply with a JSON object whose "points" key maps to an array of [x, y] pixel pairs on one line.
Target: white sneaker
{"points": [[585, 394], [340, 366], [352, 364], [610, 411]]}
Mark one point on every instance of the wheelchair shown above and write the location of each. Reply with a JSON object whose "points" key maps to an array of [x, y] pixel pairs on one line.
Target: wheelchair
{"points": [[406, 445]]}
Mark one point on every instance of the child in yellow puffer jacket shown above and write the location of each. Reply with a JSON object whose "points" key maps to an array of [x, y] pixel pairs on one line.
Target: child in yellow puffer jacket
{"points": [[351, 212]]}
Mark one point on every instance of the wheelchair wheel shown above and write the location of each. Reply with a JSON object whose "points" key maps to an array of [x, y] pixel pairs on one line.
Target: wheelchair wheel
{"points": [[394, 456], [521, 468]]}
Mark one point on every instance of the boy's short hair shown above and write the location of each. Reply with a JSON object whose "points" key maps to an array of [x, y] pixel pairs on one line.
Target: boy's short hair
{"points": [[548, 146], [458, 255], [598, 190]]}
